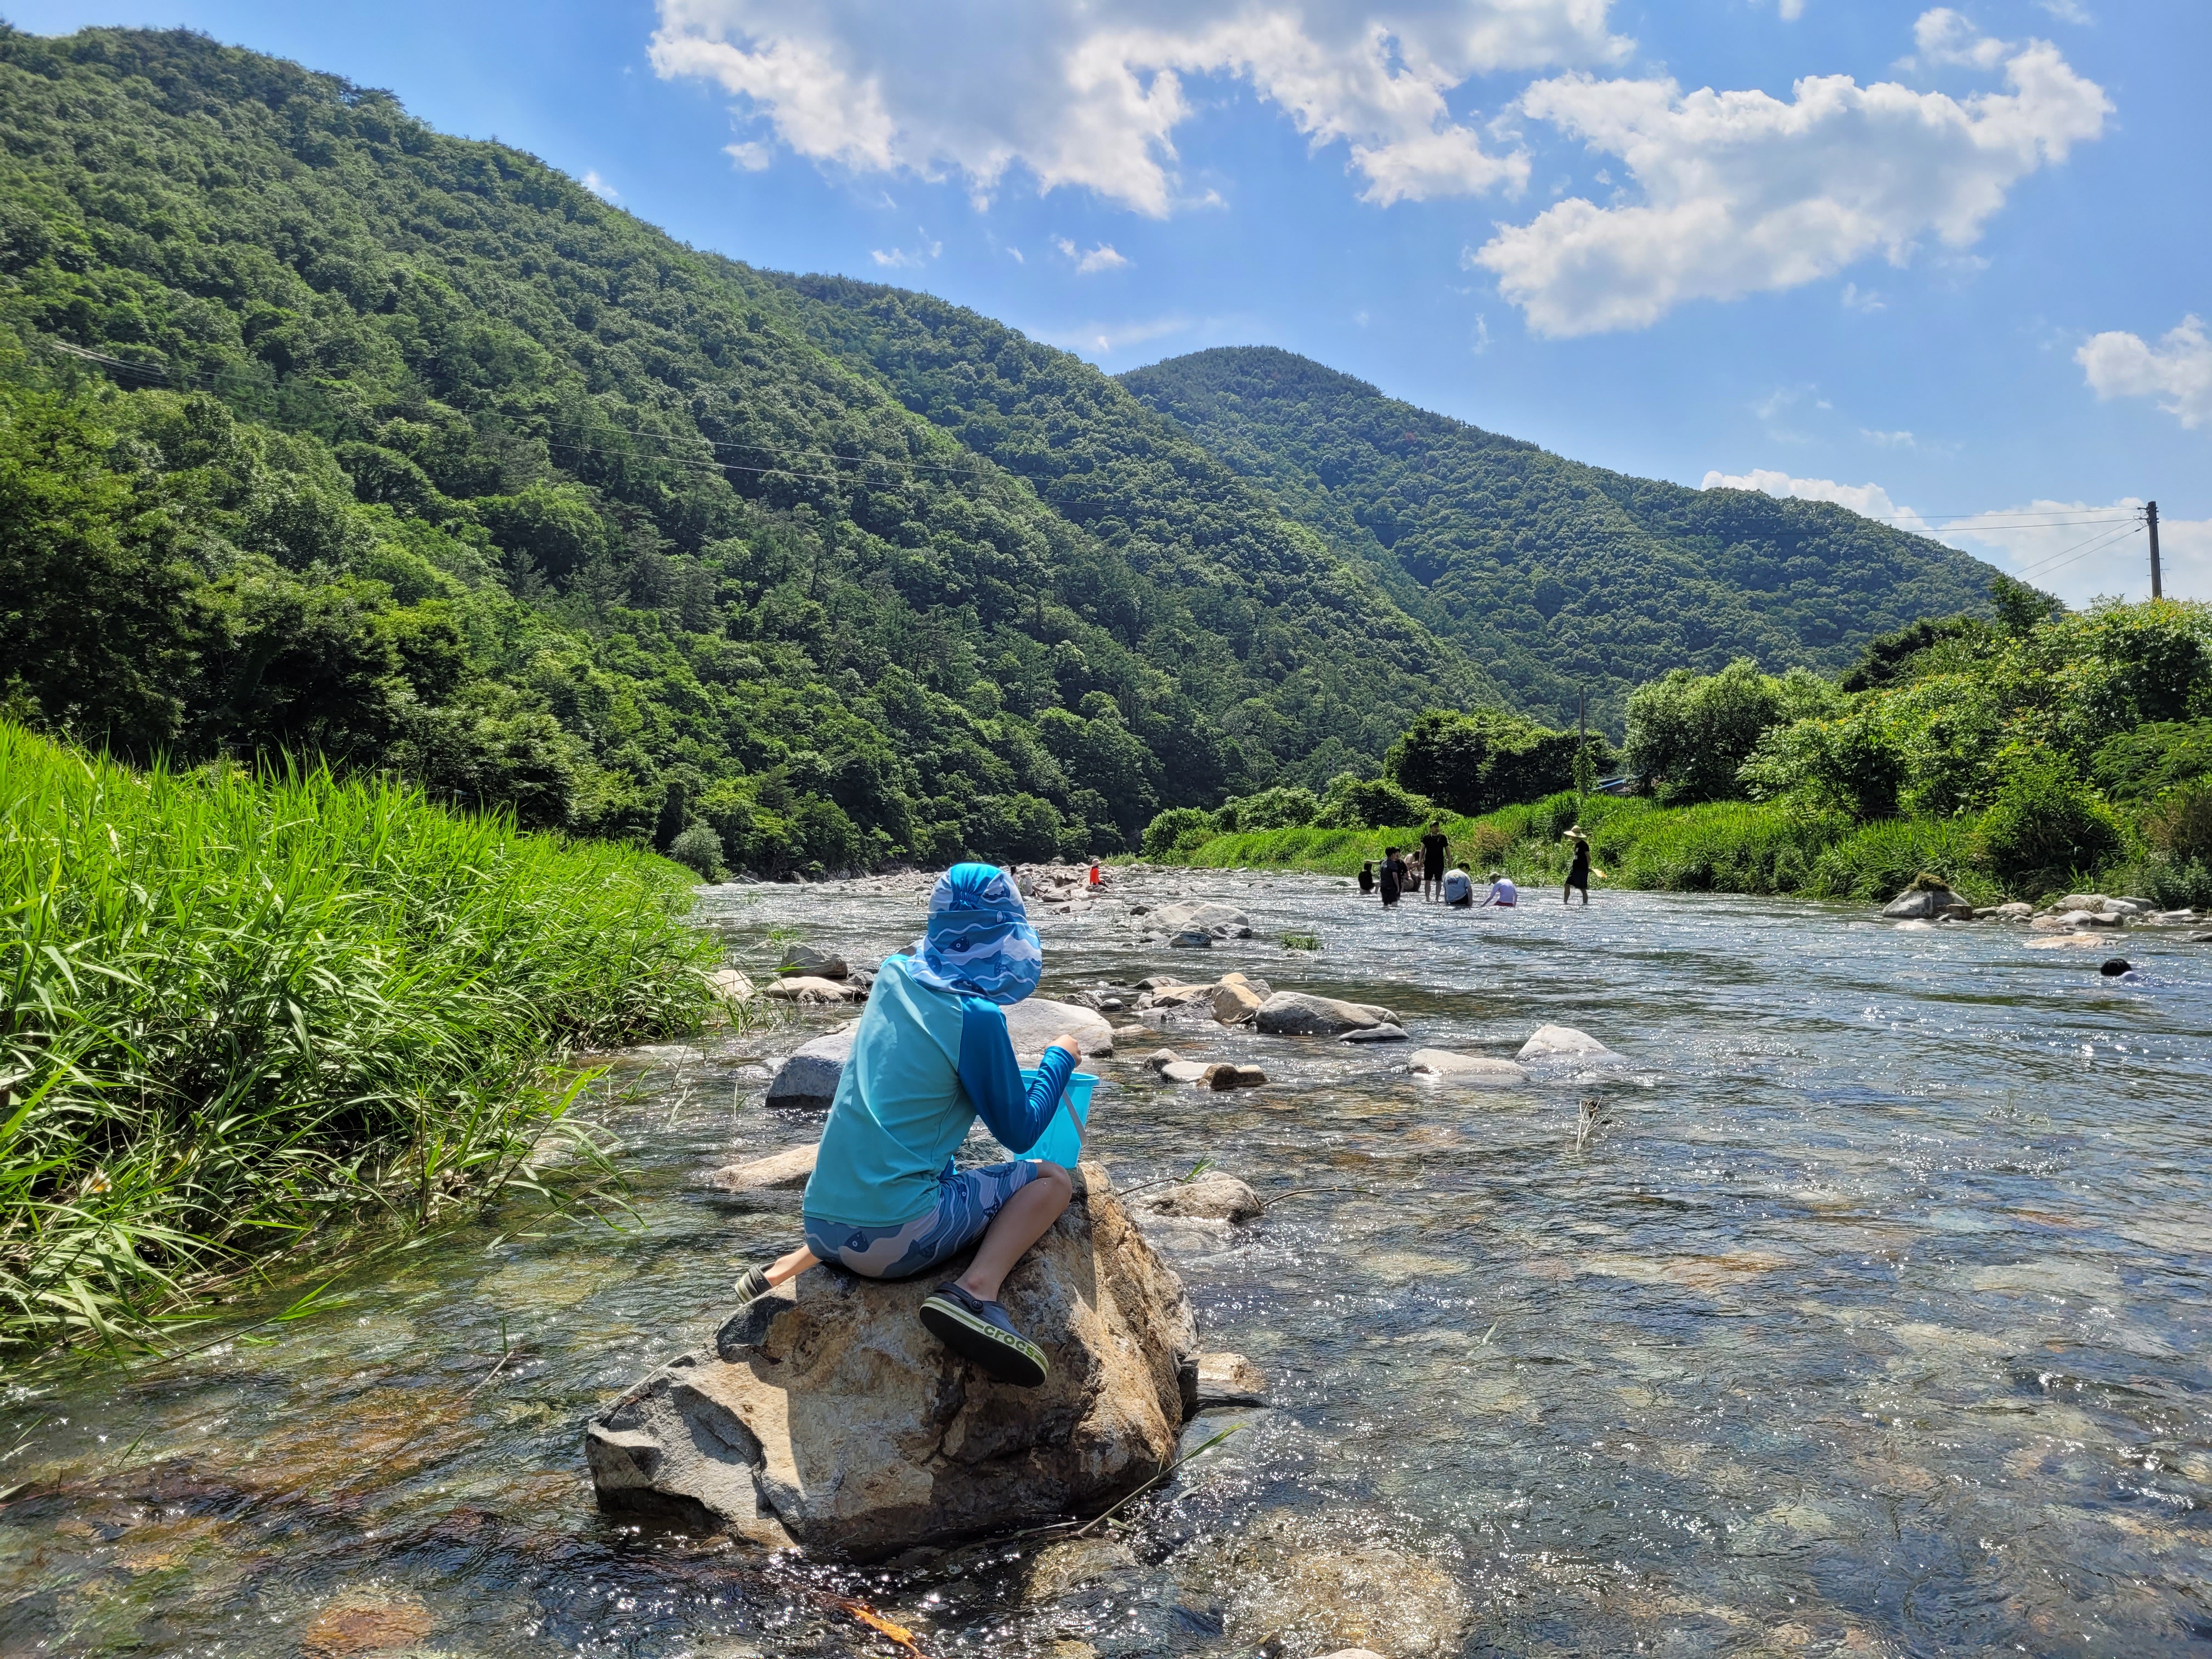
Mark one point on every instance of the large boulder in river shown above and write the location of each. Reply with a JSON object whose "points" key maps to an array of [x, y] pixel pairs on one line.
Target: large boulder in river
{"points": [[813, 959], [807, 1082], [1035, 1023], [829, 1414], [1203, 916], [1563, 1043], [1296, 1013], [1920, 903]]}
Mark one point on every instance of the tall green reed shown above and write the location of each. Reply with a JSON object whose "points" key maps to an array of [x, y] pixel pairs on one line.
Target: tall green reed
{"points": [[242, 1014]]}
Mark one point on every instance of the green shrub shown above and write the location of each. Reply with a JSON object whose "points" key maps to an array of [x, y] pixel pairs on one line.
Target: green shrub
{"points": [[699, 850], [1351, 802], [1171, 829], [1285, 806], [1877, 861], [2181, 825], [2044, 826], [2144, 763], [1725, 846]]}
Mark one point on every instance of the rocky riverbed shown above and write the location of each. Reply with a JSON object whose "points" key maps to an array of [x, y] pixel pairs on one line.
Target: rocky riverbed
{"points": [[1851, 1300]]}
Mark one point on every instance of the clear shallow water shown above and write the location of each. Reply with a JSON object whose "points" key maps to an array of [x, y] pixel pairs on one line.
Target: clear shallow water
{"points": [[1869, 1317]]}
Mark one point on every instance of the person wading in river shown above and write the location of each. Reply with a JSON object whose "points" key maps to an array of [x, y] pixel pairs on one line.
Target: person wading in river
{"points": [[1578, 872], [1393, 869], [930, 1055], [1433, 848]]}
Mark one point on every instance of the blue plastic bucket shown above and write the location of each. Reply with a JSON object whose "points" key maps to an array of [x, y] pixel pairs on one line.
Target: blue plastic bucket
{"points": [[1060, 1143]]}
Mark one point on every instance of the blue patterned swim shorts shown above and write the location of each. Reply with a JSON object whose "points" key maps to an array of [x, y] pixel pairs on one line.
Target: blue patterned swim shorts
{"points": [[968, 1200]]}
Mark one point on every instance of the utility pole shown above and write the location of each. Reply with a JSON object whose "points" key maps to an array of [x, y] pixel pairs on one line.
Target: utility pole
{"points": [[2150, 518], [1582, 750]]}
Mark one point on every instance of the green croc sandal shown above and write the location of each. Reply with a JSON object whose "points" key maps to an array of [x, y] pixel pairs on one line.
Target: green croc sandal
{"points": [[979, 1331]]}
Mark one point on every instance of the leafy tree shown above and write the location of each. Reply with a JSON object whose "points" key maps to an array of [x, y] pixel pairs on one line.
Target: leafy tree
{"points": [[1477, 762], [2021, 608], [1690, 734], [1351, 802]]}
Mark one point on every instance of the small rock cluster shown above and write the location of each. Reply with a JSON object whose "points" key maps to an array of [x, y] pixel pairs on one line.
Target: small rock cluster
{"points": [[1171, 1068], [810, 973], [2075, 912]]}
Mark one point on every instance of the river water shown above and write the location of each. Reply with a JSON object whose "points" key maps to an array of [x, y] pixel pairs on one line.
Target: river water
{"points": [[1862, 1308]]}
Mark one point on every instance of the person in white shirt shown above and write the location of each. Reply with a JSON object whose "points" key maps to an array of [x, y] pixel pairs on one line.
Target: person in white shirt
{"points": [[1501, 893]]}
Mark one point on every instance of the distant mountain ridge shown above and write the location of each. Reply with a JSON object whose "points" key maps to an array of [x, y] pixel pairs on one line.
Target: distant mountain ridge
{"points": [[1553, 575]]}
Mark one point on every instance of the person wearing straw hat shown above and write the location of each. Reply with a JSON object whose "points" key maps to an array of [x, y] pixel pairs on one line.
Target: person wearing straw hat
{"points": [[930, 1055], [1578, 872]]}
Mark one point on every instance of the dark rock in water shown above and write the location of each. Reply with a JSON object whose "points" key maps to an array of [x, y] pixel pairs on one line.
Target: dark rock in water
{"points": [[829, 1415], [1921, 904], [813, 959], [1191, 939], [1296, 1013], [807, 1082], [2113, 967]]}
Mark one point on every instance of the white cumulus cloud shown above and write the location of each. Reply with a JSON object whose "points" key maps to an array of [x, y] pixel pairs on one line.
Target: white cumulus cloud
{"points": [[908, 258], [2177, 371], [1870, 499], [2076, 549], [1091, 260], [1089, 93], [1744, 193]]}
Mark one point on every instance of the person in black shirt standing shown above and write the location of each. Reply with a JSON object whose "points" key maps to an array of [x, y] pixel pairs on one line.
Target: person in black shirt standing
{"points": [[1434, 846], [1393, 868], [1578, 872]]}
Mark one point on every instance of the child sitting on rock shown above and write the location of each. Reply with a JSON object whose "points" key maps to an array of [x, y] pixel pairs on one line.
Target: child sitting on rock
{"points": [[930, 1055]]}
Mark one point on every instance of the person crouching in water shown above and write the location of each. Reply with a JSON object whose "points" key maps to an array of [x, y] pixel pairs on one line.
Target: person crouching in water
{"points": [[1459, 890], [1503, 893], [930, 1055]]}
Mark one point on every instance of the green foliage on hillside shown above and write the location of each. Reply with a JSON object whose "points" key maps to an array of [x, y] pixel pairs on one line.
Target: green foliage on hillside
{"points": [[1553, 575], [1690, 734], [423, 457]]}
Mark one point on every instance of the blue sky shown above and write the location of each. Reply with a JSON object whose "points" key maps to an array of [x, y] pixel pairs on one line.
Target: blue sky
{"points": [[1930, 262]]}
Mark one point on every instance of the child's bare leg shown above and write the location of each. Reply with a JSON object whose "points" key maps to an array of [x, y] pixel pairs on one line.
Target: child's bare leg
{"points": [[1024, 1220], [788, 1267]]}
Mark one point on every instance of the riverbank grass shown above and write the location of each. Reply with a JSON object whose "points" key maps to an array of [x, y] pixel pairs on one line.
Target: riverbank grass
{"points": [[1724, 846], [247, 1016]]}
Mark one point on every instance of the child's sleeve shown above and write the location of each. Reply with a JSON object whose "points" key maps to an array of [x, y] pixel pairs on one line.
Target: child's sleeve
{"points": [[1017, 1113]]}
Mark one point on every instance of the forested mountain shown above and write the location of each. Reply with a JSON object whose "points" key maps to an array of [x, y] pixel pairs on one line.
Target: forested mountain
{"points": [[323, 432], [453, 455], [1554, 576]]}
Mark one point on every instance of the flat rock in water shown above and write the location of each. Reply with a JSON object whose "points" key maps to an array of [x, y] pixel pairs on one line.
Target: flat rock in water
{"points": [[1183, 1071], [805, 987], [1297, 1013], [832, 1416], [1230, 1379], [1191, 939], [788, 1168], [1467, 1068], [1374, 1034], [808, 1081], [1211, 1197], [731, 985], [1561, 1043], [1033, 1024], [1317, 1593]]}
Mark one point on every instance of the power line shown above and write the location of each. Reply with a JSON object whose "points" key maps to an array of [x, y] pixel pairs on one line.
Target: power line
{"points": [[2067, 556]]}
